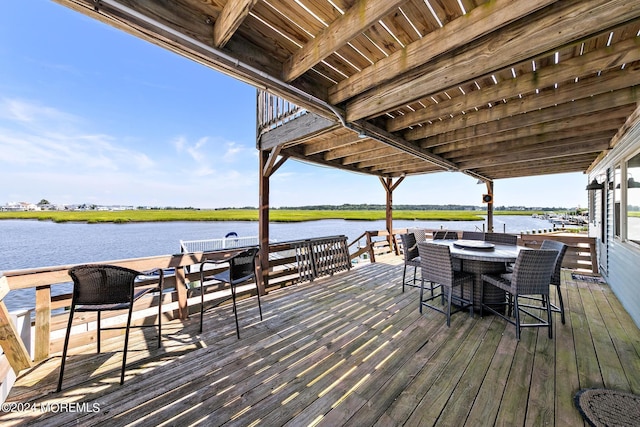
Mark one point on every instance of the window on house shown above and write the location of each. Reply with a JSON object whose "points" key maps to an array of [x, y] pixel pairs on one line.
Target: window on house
{"points": [[633, 199], [616, 201]]}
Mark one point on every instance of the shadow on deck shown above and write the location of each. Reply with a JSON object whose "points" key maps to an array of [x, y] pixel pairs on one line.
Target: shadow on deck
{"points": [[351, 349]]}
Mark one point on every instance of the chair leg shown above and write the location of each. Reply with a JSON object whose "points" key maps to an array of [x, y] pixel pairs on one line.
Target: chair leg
{"points": [[471, 298], [449, 306], [235, 311], [404, 276], [258, 295], [201, 302], [516, 313], [421, 294], [560, 304], [126, 344], [481, 299], [160, 319], [64, 349], [549, 317]]}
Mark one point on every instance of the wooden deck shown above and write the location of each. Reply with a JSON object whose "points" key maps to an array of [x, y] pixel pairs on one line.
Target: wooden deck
{"points": [[351, 349]]}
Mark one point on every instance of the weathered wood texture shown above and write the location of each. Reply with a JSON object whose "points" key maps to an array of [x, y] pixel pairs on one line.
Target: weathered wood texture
{"points": [[347, 350], [430, 82]]}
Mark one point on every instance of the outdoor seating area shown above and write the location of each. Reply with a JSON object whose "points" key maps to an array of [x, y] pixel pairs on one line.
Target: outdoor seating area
{"points": [[349, 349]]}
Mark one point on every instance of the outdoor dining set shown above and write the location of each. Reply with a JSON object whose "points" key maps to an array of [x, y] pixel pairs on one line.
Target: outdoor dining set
{"points": [[485, 271]]}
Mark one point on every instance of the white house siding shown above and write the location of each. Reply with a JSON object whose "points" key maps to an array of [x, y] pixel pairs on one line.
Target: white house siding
{"points": [[620, 259]]}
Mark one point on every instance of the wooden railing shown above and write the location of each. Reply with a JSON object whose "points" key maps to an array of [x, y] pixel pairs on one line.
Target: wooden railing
{"points": [[289, 263], [182, 291], [581, 250], [274, 111]]}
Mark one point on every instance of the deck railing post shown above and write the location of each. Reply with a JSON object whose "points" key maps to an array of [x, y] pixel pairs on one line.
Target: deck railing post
{"points": [[43, 322], [181, 289], [372, 254]]}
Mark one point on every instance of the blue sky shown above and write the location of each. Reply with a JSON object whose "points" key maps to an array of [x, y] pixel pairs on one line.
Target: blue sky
{"points": [[90, 114]]}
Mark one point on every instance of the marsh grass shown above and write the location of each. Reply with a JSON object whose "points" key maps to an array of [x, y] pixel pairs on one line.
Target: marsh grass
{"points": [[276, 215]]}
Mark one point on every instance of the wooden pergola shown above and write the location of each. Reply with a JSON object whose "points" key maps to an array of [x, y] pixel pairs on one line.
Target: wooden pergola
{"points": [[392, 88]]}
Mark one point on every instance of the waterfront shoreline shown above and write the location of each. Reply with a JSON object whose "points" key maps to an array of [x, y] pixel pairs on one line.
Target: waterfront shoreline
{"points": [[276, 215]]}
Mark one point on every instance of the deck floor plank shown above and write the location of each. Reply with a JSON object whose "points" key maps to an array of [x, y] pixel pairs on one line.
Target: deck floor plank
{"points": [[610, 367], [566, 368], [346, 350]]}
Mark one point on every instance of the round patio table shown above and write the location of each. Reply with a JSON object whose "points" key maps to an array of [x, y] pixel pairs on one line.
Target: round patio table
{"points": [[478, 257]]}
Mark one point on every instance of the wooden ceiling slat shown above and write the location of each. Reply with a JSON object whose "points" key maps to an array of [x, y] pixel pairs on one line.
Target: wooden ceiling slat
{"points": [[369, 155], [394, 164], [563, 23], [626, 96], [563, 165], [548, 141], [456, 34], [358, 18], [601, 93], [401, 28], [356, 148], [574, 126], [544, 153], [396, 160], [291, 16], [420, 16]]}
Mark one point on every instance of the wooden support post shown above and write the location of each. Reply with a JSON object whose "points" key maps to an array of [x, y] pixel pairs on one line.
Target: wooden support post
{"points": [[372, 252], [269, 164], [490, 206], [389, 186], [10, 341], [43, 322], [181, 288], [263, 223]]}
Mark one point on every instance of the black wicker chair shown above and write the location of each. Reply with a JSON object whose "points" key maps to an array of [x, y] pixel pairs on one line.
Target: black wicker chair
{"points": [[501, 238], [531, 275], [445, 235], [555, 277], [242, 268], [472, 235], [411, 258], [101, 288], [420, 234], [437, 267]]}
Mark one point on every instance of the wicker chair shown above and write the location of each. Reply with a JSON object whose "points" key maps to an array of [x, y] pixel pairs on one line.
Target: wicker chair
{"points": [[501, 238], [242, 268], [411, 258], [555, 277], [107, 288], [445, 235], [437, 267], [420, 234], [473, 235], [531, 275]]}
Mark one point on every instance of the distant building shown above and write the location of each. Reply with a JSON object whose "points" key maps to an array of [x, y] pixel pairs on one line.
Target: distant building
{"points": [[19, 207]]}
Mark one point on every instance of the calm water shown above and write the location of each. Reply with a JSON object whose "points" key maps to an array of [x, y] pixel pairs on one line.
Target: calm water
{"points": [[30, 244]]}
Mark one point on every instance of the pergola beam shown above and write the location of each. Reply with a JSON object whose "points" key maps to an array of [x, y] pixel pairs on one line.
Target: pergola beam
{"points": [[563, 23], [231, 17], [626, 52], [574, 98], [454, 34], [623, 99]]}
